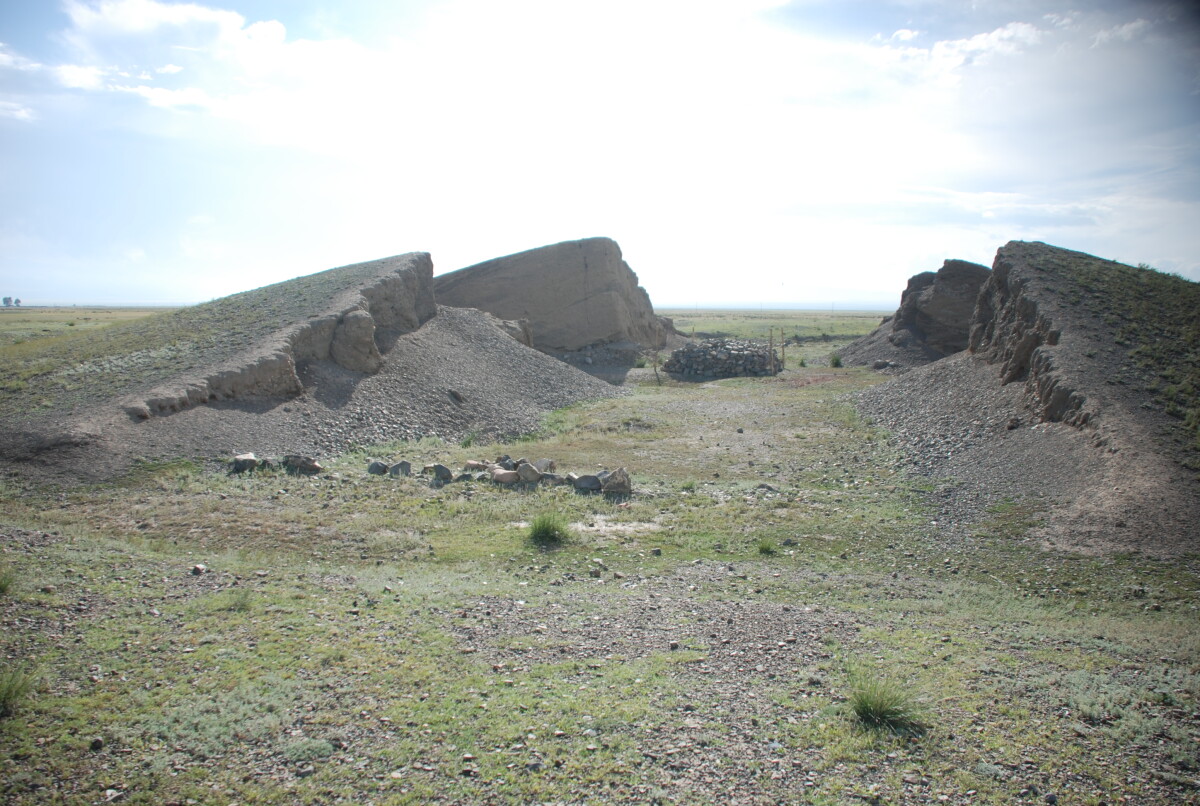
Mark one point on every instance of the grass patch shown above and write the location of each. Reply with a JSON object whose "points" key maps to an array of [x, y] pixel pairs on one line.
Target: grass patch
{"points": [[17, 682], [880, 702], [8, 579], [549, 529]]}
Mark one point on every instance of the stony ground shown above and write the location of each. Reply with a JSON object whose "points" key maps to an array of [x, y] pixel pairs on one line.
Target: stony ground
{"points": [[373, 640]]}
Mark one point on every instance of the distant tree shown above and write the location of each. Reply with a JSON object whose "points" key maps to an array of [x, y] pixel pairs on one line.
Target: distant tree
{"points": [[17, 302], [8, 302]]}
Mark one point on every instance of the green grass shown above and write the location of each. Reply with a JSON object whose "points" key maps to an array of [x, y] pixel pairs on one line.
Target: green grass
{"points": [[549, 528], [8, 578], [17, 682], [883, 703]]}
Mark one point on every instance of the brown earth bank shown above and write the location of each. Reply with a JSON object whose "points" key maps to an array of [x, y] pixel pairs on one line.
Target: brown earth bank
{"points": [[1056, 399]]}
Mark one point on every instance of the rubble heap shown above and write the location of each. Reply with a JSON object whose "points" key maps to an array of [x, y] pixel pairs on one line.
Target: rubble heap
{"points": [[723, 358]]}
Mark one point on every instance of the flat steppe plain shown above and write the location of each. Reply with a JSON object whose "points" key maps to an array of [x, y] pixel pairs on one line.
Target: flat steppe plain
{"points": [[365, 639]]}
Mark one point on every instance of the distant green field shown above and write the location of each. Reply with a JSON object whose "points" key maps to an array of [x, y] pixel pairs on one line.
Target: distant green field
{"points": [[819, 333], [21, 325]]}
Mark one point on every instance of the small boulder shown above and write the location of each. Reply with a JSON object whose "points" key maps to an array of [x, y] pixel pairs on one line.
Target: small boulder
{"points": [[528, 473], [588, 483], [378, 468], [243, 462], [505, 476], [301, 465], [618, 483], [474, 464], [545, 465], [401, 468], [439, 472]]}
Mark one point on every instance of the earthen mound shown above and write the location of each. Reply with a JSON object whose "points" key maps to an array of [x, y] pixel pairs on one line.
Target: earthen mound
{"points": [[933, 320], [1064, 399], [315, 365], [572, 294]]}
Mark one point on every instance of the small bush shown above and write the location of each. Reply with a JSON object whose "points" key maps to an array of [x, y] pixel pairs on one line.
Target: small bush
{"points": [[766, 547], [8, 578], [641, 362], [881, 703], [835, 361], [688, 487], [549, 528], [308, 750], [16, 682]]}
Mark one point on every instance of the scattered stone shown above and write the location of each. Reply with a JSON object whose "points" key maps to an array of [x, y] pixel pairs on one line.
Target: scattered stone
{"points": [[243, 462], [378, 468], [545, 465], [588, 483], [401, 468], [502, 476], [618, 483], [198, 569], [299, 464], [443, 473], [528, 472], [97, 745]]}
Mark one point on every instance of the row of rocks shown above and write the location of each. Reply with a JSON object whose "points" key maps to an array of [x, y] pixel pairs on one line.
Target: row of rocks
{"points": [[723, 358], [513, 473], [294, 463]]}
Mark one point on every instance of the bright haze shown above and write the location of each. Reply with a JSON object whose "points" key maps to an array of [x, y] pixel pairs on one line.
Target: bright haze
{"points": [[742, 152]]}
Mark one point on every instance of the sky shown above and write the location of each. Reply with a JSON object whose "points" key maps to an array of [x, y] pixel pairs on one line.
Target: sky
{"points": [[811, 153]]}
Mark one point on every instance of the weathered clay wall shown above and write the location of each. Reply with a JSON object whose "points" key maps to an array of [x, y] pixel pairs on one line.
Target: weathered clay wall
{"points": [[1014, 326], [398, 301], [933, 320], [573, 294]]}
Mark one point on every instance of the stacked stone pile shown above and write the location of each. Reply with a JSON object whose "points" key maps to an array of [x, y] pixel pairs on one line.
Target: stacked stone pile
{"points": [[723, 358]]}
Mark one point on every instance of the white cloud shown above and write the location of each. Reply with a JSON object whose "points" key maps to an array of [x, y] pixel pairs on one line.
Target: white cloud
{"points": [[74, 76], [15, 111], [1123, 33], [483, 128]]}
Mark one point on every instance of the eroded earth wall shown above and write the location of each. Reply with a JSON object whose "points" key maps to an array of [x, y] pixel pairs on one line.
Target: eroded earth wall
{"points": [[573, 294], [398, 300]]}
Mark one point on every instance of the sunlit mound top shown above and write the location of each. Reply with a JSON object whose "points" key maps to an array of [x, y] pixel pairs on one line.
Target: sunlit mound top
{"points": [[74, 370]]}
